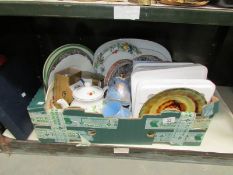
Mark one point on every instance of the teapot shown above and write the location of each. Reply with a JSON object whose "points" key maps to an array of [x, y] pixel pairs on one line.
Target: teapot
{"points": [[90, 98]]}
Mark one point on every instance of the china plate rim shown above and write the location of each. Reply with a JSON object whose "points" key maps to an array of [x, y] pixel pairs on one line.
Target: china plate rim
{"points": [[52, 57]]}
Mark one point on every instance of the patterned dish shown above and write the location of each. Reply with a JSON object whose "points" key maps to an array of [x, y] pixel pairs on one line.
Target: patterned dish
{"points": [[178, 99], [66, 55], [121, 68], [146, 48], [151, 48], [110, 55]]}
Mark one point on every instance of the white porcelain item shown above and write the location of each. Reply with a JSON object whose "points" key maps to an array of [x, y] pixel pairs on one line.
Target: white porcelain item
{"points": [[145, 46], [151, 48], [147, 88], [115, 52], [77, 61], [59, 53], [88, 97], [105, 46], [89, 106]]}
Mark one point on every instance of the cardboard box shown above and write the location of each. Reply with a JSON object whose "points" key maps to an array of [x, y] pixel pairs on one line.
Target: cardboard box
{"points": [[175, 128], [62, 82]]}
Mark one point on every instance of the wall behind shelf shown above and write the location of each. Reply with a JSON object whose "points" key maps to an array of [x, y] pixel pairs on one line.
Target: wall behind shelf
{"points": [[27, 41]]}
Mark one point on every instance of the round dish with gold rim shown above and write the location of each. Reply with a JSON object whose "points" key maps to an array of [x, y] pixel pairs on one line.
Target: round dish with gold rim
{"points": [[178, 99]]}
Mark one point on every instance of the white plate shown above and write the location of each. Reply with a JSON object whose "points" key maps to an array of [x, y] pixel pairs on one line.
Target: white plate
{"points": [[117, 51], [151, 48], [146, 47], [147, 88], [65, 49], [105, 46], [77, 61], [195, 71]]}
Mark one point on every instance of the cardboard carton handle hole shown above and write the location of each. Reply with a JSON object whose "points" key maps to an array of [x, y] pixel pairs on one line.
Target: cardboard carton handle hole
{"points": [[151, 134], [91, 132]]}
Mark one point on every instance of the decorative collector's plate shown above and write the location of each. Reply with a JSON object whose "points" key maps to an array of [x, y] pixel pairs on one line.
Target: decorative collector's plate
{"points": [[70, 55], [178, 99]]}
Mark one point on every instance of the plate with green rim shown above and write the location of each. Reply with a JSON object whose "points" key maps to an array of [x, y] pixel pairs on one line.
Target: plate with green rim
{"points": [[52, 58], [60, 49], [68, 58], [65, 52], [59, 55]]}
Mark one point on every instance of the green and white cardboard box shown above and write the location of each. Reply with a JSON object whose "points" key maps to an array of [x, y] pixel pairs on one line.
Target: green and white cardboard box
{"points": [[66, 126]]}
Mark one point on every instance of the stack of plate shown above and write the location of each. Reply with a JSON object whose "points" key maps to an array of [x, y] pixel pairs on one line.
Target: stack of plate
{"points": [[188, 80], [115, 58], [112, 59], [70, 55]]}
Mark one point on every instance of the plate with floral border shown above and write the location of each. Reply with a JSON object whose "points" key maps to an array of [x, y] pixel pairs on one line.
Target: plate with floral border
{"points": [[117, 51], [146, 47]]}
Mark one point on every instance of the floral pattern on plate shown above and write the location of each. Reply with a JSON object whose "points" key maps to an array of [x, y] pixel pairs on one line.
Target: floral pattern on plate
{"points": [[121, 68], [148, 58], [113, 50]]}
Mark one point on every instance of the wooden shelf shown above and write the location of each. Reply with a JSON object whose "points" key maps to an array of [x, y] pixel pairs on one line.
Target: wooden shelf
{"points": [[207, 15], [166, 155]]}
